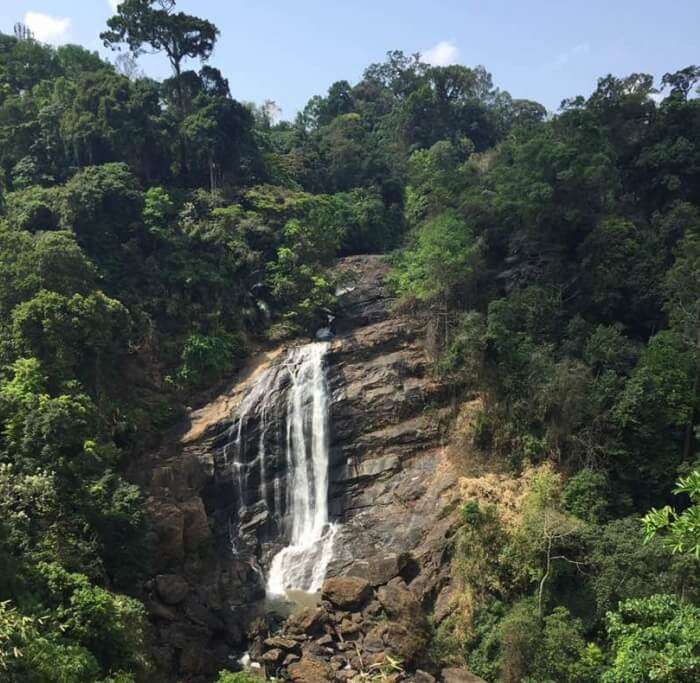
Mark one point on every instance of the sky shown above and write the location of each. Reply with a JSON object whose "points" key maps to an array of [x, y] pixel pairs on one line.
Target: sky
{"points": [[545, 50]]}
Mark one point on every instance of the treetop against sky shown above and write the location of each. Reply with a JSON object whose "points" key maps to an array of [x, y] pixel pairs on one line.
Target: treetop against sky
{"points": [[288, 52]]}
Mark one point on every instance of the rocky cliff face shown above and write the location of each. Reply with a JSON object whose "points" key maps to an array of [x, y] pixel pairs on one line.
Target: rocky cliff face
{"points": [[391, 489]]}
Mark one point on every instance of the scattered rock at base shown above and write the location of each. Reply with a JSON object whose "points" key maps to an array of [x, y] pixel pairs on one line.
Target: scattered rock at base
{"points": [[309, 621], [400, 603], [310, 670], [346, 592]]}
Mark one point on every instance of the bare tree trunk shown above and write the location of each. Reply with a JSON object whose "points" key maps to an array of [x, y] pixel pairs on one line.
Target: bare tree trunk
{"points": [[545, 576], [212, 177]]}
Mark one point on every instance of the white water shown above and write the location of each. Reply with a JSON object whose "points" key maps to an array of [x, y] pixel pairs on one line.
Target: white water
{"points": [[302, 564], [260, 394]]}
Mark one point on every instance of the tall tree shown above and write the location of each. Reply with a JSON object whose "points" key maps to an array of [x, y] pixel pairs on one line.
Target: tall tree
{"points": [[155, 23]]}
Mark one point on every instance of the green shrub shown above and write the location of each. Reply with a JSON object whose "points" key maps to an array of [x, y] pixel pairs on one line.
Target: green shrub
{"points": [[586, 495], [654, 639], [205, 358]]}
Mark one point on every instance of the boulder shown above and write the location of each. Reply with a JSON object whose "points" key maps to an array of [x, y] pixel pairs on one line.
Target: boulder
{"points": [[309, 621], [460, 676], [310, 670], [346, 592], [405, 641], [171, 588], [281, 643], [400, 603], [325, 641], [349, 629], [379, 570], [273, 656]]}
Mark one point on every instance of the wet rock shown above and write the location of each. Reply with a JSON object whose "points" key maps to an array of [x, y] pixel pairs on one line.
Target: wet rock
{"points": [[313, 648], [346, 592], [460, 676], [387, 486], [171, 588], [310, 670]]}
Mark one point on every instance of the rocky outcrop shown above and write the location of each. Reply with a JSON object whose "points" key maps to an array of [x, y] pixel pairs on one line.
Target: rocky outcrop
{"points": [[392, 485], [355, 632], [391, 489]]}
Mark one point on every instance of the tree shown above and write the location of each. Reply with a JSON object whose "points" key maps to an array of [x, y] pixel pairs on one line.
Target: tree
{"points": [[444, 254], [654, 639], [218, 134], [681, 82], [683, 527], [682, 289], [154, 22]]}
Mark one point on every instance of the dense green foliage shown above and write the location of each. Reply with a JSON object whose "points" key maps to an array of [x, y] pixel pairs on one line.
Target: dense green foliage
{"points": [[151, 233], [561, 272]]}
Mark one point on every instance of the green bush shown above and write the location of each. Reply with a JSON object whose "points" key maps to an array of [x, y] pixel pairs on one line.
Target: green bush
{"points": [[654, 639], [206, 358], [586, 495], [238, 677]]}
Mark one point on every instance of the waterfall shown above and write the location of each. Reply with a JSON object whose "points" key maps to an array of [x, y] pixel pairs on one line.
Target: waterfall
{"points": [[302, 564], [297, 391]]}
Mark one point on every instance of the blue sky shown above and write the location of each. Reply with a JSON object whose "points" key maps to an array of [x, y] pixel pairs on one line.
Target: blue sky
{"points": [[544, 50]]}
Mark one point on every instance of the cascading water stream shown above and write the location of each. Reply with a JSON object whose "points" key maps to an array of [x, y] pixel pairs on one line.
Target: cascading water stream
{"points": [[302, 564]]}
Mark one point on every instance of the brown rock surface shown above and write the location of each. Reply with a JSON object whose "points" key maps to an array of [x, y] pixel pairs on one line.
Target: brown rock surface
{"points": [[310, 670], [346, 592], [390, 488], [380, 569]]}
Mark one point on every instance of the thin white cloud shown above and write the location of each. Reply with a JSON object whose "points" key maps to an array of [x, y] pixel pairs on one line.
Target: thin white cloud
{"points": [[47, 29], [564, 58], [442, 54]]}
